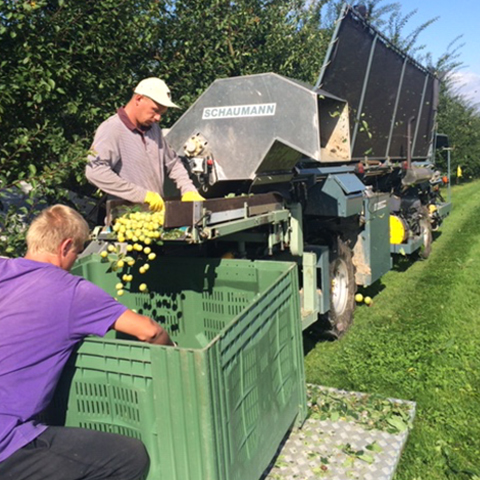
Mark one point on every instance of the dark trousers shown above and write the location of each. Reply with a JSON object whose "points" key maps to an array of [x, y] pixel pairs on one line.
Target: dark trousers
{"points": [[62, 453]]}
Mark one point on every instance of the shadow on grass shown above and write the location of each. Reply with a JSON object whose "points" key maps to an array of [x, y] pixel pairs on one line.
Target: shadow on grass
{"points": [[403, 263], [312, 337], [319, 332], [372, 290]]}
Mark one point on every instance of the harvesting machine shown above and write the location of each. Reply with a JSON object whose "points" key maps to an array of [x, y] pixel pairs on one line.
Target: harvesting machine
{"points": [[336, 176]]}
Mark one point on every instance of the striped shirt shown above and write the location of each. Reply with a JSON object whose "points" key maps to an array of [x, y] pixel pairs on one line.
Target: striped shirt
{"points": [[126, 162]]}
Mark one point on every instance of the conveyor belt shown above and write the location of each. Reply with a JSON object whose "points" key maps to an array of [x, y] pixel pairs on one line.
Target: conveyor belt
{"points": [[218, 210]]}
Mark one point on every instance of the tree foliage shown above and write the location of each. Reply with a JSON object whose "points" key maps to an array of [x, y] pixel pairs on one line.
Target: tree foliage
{"points": [[461, 122], [67, 65], [457, 117], [239, 38], [62, 67]]}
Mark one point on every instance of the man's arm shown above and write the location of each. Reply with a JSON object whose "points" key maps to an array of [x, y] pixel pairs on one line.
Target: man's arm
{"points": [[144, 328], [100, 173], [101, 161]]}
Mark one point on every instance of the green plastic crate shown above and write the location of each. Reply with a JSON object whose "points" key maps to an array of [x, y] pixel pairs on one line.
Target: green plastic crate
{"points": [[217, 406]]}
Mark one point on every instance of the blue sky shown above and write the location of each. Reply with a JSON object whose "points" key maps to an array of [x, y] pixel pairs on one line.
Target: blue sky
{"points": [[456, 17]]}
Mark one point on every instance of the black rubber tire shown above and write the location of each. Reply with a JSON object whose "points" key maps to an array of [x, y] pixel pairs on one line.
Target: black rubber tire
{"points": [[342, 289], [426, 233]]}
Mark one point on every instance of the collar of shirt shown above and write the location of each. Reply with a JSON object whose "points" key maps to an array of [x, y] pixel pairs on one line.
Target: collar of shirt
{"points": [[128, 123]]}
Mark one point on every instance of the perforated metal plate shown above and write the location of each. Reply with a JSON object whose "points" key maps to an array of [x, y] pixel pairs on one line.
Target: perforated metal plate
{"points": [[340, 449]]}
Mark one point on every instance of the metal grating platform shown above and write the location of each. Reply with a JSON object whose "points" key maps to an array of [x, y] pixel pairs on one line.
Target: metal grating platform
{"points": [[347, 436]]}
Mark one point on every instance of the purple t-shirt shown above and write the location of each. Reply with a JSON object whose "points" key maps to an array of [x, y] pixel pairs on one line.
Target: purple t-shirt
{"points": [[44, 312]]}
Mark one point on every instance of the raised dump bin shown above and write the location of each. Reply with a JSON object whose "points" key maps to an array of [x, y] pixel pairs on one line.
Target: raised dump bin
{"points": [[217, 406]]}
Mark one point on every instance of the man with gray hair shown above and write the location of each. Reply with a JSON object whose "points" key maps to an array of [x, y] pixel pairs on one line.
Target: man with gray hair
{"points": [[130, 157], [45, 312]]}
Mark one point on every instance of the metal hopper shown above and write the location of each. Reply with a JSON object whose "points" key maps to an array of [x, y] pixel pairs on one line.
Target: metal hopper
{"points": [[247, 132], [392, 98]]}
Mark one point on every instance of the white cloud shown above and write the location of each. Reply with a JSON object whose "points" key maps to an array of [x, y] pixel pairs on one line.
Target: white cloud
{"points": [[468, 84]]}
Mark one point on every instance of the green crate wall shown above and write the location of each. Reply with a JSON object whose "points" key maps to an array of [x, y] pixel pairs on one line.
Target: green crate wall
{"points": [[216, 407]]}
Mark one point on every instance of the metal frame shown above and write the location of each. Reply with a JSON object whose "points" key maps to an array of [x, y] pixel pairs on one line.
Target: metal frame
{"points": [[364, 91], [412, 245], [315, 301], [203, 233], [377, 39]]}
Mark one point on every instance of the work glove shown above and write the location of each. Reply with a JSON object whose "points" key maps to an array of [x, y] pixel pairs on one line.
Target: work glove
{"points": [[155, 201], [192, 197]]}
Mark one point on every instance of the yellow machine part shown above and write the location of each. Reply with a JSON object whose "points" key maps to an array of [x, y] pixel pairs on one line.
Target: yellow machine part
{"points": [[398, 230]]}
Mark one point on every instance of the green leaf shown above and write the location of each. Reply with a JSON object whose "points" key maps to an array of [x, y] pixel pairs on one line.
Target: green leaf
{"points": [[365, 457], [397, 423], [374, 447]]}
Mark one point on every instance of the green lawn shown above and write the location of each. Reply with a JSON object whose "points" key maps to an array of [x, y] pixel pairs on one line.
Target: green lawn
{"points": [[420, 341]]}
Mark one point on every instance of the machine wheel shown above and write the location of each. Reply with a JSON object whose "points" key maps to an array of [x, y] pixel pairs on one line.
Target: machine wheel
{"points": [[343, 287], [426, 233]]}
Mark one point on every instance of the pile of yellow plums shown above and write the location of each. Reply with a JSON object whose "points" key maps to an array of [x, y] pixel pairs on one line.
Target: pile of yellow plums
{"points": [[143, 227], [139, 230]]}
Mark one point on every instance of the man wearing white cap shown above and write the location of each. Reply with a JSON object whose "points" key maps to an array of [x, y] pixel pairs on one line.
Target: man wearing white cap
{"points": [[129, 157]]}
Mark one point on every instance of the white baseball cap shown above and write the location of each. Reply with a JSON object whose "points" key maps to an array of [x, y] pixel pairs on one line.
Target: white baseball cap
{"points": [[157, 90]]}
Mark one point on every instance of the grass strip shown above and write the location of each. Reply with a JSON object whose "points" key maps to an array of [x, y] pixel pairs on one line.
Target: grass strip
{"points": [[420, 341]]}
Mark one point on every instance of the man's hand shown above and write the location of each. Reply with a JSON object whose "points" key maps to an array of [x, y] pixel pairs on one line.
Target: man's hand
{"points": [[142, 327], [155, 201], [192, 197]]}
